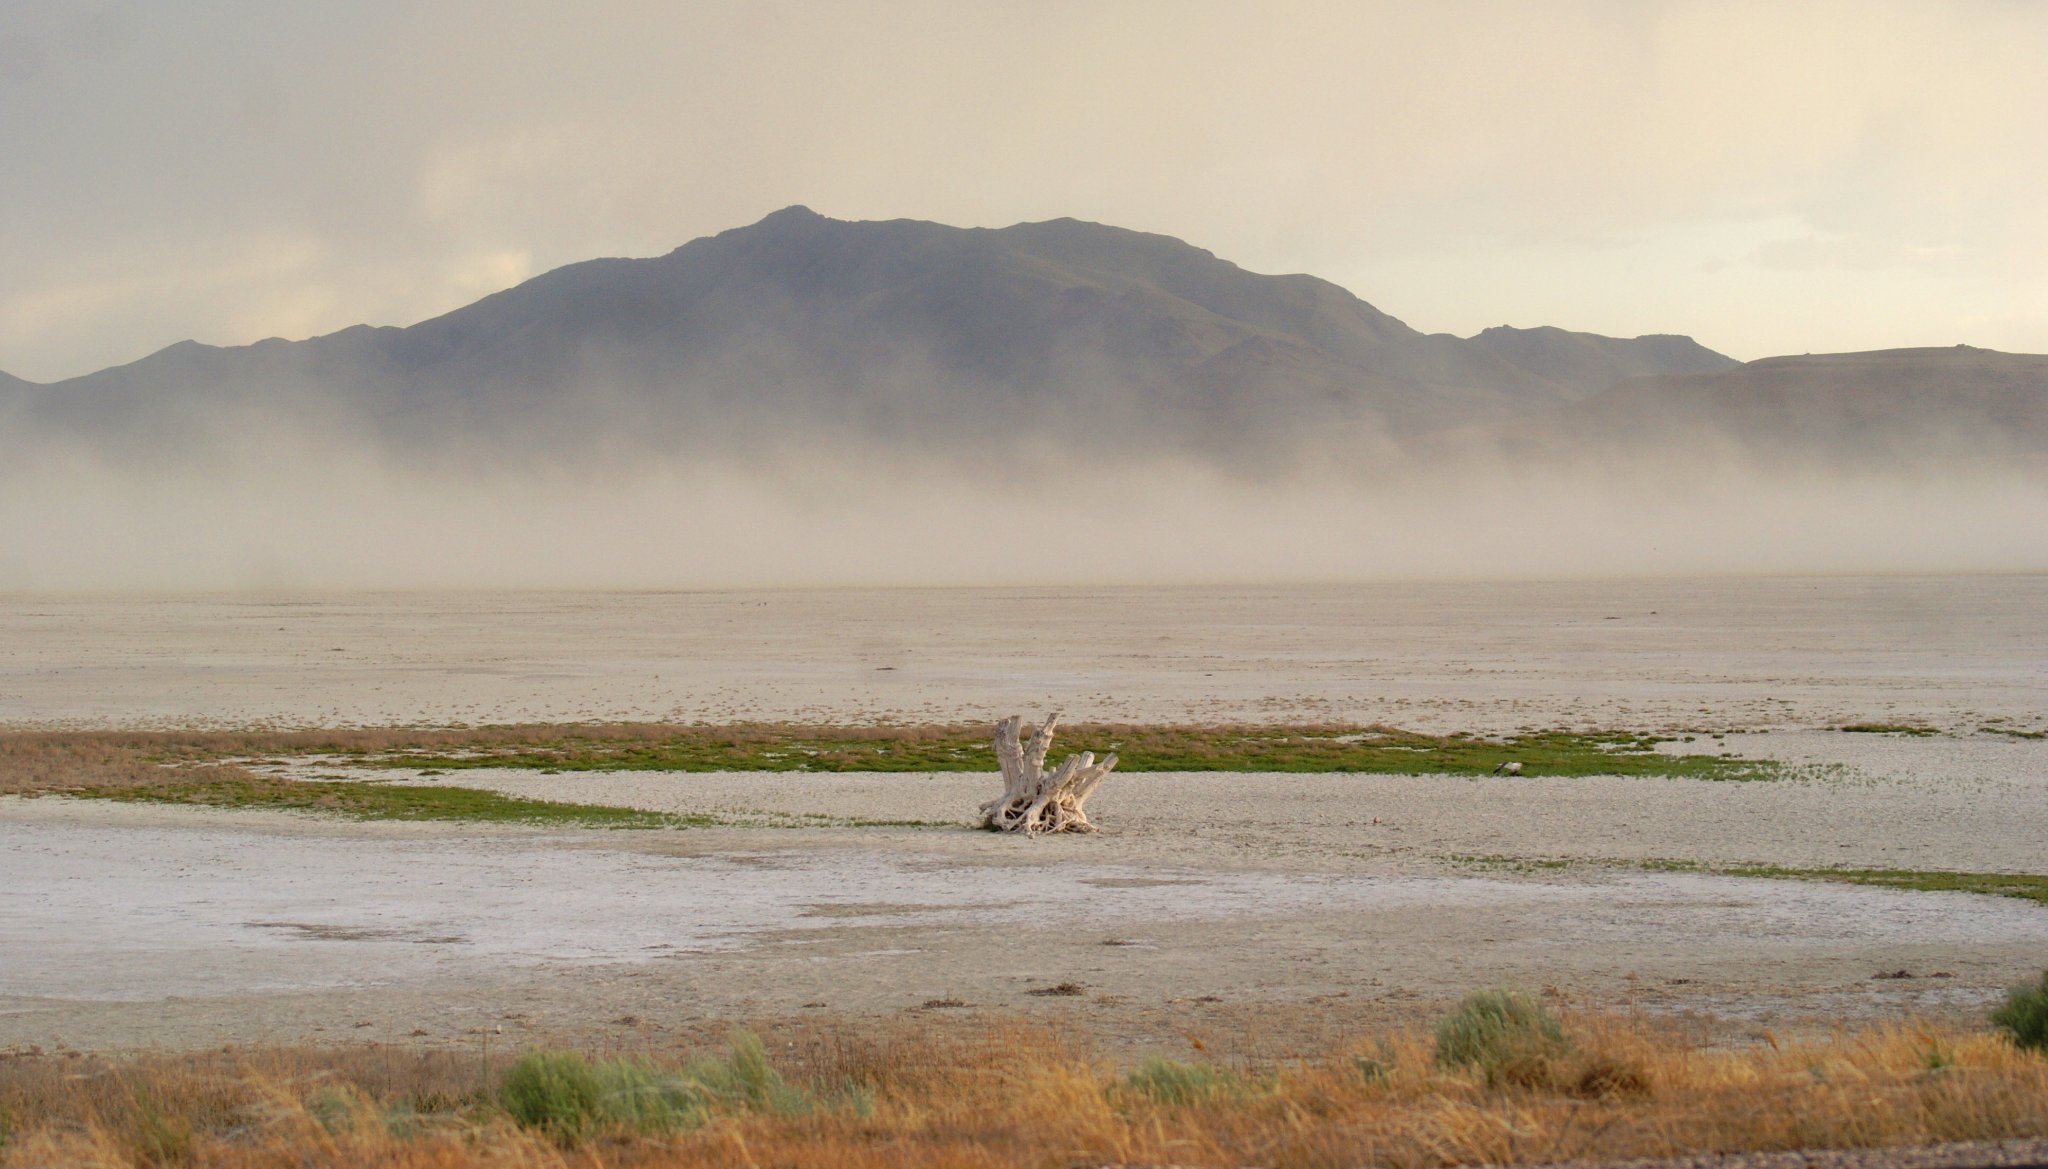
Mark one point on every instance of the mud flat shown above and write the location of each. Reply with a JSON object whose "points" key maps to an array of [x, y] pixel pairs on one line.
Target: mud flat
{"points": [[1272, 908], [1272, 905], [1724, 653]]}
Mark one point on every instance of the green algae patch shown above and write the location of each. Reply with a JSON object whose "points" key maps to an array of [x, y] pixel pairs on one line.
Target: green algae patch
{"points": [[1323, 749], [379, 801], [2024, 886]]}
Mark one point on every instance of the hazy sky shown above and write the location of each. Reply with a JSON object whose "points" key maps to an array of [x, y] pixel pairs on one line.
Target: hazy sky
{"points": [[1770, 178]]}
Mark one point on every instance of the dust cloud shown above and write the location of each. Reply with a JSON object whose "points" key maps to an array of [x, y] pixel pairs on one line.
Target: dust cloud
{"points": [[290, 513]]}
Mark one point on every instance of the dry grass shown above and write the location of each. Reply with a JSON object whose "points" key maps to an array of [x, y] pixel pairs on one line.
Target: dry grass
{"points": [[60, 761], [68, 760], [994, 1092], [171, 769], [55, 761]]}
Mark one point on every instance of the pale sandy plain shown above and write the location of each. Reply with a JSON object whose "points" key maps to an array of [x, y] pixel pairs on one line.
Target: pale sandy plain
{"points": [[1258, 912], [1734, 652]]}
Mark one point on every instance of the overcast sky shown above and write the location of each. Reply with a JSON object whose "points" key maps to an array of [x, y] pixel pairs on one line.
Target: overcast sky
{"points": [[1772, 178]]}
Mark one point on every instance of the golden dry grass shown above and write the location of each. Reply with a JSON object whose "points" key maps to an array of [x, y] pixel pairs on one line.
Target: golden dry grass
{"points": [[994, 1092]]}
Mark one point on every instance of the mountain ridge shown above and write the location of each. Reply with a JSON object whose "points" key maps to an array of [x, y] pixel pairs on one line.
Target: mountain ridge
{"points": [[1053, 334], [1949, 406]]}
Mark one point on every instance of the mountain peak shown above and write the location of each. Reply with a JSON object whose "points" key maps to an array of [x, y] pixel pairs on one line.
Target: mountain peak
{"points": [[793, 214]]}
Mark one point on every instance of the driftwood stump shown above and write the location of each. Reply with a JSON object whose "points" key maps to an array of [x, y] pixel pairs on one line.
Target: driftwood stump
{"points": [[1034, 799]]}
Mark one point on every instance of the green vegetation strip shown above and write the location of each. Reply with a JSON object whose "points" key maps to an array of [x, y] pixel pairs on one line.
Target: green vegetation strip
{"points": [[2025, 886], [1380, 751], [380, 801], [377, 801]]}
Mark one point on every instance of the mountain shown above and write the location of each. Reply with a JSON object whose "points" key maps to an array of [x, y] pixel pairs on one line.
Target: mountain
{"points": [[1038, 339], [1951, 408], [1581, 364], [1053, 335]]}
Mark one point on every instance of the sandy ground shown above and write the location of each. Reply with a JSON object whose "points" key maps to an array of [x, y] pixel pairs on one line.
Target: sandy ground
{"points": [[1260, 913], [1725, 653]]}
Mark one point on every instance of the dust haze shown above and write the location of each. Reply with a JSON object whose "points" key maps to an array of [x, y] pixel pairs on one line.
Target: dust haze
{"points": [[811, 401], [285, 511]]}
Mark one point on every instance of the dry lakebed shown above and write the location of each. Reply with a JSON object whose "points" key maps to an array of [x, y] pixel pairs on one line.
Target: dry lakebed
{"points": [[1260, 909]]}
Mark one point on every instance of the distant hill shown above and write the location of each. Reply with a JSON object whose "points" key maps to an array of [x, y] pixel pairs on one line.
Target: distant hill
{"points": [[1036, 339], [1950, 408], [1581, 364], [801, 328]]}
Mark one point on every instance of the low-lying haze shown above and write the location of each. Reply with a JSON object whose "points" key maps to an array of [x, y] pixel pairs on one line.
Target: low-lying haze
{"points": [[277, 515]]}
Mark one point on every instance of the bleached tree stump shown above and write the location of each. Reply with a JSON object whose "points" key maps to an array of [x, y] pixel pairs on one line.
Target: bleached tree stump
{"points": [[1036, 800]]}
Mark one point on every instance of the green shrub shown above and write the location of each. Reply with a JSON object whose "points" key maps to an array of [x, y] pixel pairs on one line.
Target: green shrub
{"points": [[1169, 1081], [569, 1098], [635, 1096], [556, 1092], [741, 1078], [1508, 1036], [2025, 1015]]}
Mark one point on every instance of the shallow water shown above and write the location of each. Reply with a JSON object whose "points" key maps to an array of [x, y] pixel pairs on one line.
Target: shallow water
{"points": [[98, 912]]}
